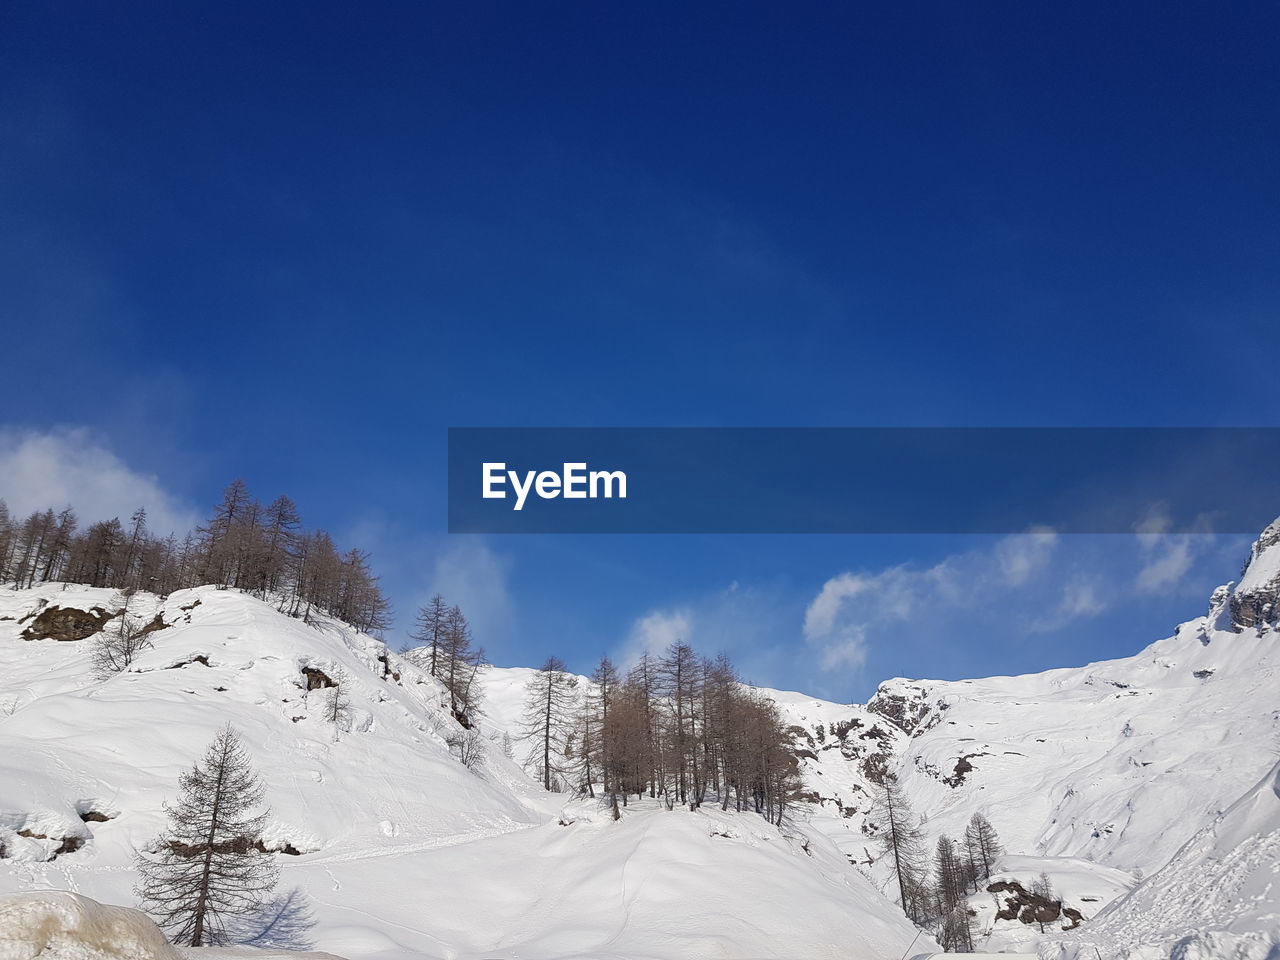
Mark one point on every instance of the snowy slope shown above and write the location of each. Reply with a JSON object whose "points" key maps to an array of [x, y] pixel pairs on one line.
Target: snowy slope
{"points": [[401, 850], [1218, 897], [1116, 762]]}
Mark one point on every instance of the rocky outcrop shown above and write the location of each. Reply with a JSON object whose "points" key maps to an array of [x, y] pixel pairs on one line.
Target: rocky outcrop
{"points": [[1019, 903], [905, 707], [316, 678], [1256, 598], [67, 623]]}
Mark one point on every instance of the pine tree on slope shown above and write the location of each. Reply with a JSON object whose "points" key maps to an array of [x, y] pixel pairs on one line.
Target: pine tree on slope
{"points": [[550, 699], [900, 836], [206, 868]]}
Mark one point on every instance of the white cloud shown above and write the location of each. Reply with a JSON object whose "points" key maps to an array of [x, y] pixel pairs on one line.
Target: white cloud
{"points": [[71, 466], [840, 618], [1080, 598], [654, 632], [854, 609], [470, 575], [1168, 561], [820, 617], [1168, 557], [1023, 555]]}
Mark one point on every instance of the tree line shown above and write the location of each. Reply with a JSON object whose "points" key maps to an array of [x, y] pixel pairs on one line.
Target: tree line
{"points": [[263, 550], [934, 890], [679, 727]]}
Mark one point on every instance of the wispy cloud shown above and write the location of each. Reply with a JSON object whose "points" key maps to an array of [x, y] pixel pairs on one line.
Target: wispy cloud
{"points": [[468, 573], [72, 466], [853, 610], [1167, 557], [1023, 556], [654, 632]]}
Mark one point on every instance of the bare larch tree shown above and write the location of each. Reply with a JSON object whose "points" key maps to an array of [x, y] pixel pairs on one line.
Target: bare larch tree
{"points": [[551, 696], [207, 867], [901, 838]]}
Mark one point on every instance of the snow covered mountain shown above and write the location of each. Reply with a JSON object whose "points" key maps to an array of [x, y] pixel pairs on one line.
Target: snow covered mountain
{"points": [[1096, 776], [1093, 775], [401, 850], [1106, 769]]}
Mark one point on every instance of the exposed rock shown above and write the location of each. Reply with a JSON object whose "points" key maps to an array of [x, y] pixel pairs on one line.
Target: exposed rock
{"points": [[67, 845], [157, 623], [910, 711], [905, 711], [67, 623], [1021, 904], [199, 658], [317, 679], [1256, 599], [234, 845], [963, 766]]}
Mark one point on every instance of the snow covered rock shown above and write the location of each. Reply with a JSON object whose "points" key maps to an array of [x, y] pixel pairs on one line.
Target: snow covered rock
{"points": [[1256, 598], [56, 925]]}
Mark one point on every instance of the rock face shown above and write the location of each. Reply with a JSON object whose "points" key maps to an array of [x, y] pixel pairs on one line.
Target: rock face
{"points": [[67, 623], [1256, 598], [1019, 903], [906, 704]]}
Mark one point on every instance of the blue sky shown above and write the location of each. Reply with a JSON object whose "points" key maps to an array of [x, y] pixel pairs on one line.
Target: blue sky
{"points": [[296, 245]]}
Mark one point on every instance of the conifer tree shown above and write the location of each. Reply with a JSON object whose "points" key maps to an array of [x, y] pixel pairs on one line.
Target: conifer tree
{"points": [[983, 845], [207, 868], [900, 837], [550, 698]]}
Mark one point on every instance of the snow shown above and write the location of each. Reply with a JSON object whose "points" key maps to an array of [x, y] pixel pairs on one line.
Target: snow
{"points": [[57, 925], [404, 852], [1217, 897], [1079, 884]]}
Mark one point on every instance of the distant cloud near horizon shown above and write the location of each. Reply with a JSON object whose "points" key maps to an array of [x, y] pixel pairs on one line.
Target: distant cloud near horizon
{"points": [[72, 466], [654, 633], [854, 609]]}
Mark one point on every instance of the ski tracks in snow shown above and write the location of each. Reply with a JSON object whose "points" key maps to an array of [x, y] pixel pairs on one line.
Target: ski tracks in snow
{"points": [[485, 831]]}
